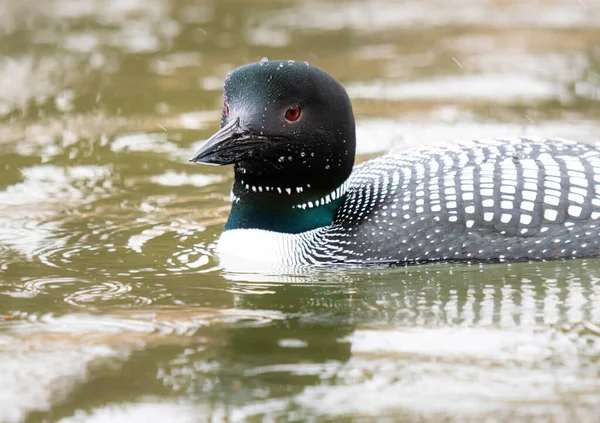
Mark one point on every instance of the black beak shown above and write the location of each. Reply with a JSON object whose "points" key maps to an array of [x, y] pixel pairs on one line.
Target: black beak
{"points": [[229, 145]]}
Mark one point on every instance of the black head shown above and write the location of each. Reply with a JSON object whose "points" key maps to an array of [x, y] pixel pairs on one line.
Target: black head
{"points": [[285, 125]]}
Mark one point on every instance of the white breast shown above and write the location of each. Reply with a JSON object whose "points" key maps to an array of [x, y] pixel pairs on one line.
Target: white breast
{"points": [[257, 245]]}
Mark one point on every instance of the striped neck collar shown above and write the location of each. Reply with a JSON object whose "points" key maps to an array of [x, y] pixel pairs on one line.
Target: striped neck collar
{"points": [[332, 196], [283, 209]]}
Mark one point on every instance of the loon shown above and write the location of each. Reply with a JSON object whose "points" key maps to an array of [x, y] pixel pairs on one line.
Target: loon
{"points": [[297, 198]]}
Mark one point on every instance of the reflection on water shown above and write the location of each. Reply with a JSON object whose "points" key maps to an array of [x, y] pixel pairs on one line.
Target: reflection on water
{"points": [[472, 339], [112, 304]]}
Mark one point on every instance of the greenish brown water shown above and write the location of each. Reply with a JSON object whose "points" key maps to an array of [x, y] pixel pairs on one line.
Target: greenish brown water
{"points": [[114, 308]]}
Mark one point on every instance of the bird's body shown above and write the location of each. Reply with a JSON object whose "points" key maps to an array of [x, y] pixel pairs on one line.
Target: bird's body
{"points": [[296, 200], [483, 201]]}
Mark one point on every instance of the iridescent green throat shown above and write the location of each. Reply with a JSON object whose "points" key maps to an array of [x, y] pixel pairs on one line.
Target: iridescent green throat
{"points": [[283, 218]]}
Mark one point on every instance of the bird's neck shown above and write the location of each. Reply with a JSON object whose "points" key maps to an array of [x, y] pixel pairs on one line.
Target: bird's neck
{"points": [[285, 209]]}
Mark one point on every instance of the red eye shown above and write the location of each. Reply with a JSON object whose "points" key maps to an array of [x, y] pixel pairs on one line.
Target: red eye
{"points": [[227, 109], [293, 113]]}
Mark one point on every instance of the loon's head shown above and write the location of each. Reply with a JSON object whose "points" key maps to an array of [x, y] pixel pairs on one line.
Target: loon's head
{"points": [[288, 128]]}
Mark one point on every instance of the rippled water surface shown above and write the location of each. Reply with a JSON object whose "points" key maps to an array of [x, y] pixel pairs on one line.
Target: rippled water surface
{"points": [[113, 307]]}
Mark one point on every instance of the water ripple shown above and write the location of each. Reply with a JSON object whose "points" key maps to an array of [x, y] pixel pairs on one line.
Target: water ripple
{"points": [[107, 291], [78, 292]]}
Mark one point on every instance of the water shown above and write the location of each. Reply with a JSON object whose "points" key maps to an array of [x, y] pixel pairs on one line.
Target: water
{"points": [[113, 307]]}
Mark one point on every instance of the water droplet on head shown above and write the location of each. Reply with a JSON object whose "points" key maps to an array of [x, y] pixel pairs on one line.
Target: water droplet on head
{"points": [[263, 60], [281, 159], [291, 62]]}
